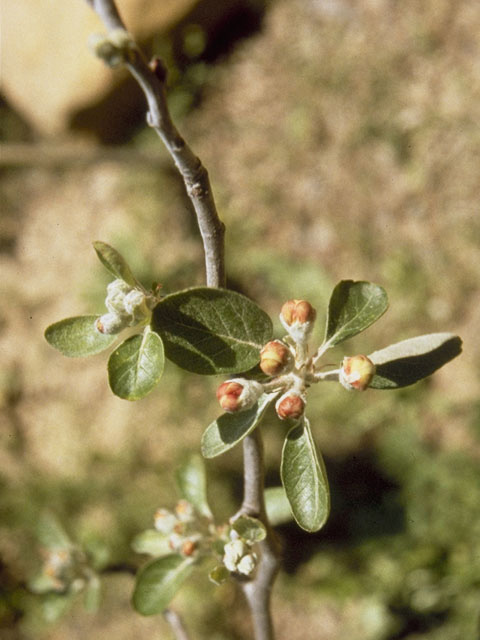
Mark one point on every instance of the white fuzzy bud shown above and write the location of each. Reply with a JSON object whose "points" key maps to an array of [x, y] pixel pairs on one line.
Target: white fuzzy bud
{"points": [[115, 300], [247, 564], [165, 521], [110, 323]]}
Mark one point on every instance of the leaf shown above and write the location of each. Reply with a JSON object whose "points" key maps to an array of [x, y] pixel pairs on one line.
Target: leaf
{"points": [[250, 529], [210, 331], [54, 606], [304, 478], [230, 428], [192, 482], [219, 574], [158, 582], [92, 594], [77, 337], [277, 506], [114, 262], [136, 366], [353, 307], [50, 532], [152, 542], [406, 362]]}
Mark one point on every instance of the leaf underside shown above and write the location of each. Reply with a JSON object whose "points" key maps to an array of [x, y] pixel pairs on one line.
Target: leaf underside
{"points": [[409, 361], [136, 366], [78, 337], [230, 428], [210, 331], [304, 478]]}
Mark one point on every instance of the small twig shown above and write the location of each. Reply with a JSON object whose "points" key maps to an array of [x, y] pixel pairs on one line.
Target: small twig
{"points": [[176, 624], [195, 176], [258, 591]]}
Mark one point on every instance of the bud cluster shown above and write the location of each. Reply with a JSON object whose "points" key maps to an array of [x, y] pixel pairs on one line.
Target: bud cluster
{"points": [[238, 556], [57, 566], [126, 305], [180, 526]]}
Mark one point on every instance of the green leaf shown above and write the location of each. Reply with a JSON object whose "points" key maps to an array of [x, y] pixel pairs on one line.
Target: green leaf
{"points": [[192, 482], [136, 366], [114, 262], [304, 478], [92, 594], [250, 529], [406, 362], [152, 542], [77, 337], [158, 582], [54, 606], [43, 583], [277, 506], [353, 307], [50, 532], [210, 331], [230, 428], [219, 574]]}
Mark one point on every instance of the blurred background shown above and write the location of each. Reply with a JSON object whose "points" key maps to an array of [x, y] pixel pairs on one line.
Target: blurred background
{"points": [[342, 139]]}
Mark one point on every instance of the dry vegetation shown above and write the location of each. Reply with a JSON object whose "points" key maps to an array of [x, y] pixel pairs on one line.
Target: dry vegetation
{"points": [[343, 141]]}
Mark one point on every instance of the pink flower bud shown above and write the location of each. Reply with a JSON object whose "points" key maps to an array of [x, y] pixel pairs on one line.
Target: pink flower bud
{"points": [[290, 405], [298, 317], [356, 372], [238, 394], [297, 311], [275, 358]]}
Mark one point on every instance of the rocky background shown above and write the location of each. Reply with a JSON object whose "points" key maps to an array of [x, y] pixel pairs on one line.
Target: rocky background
{"points": [[342, 141]]}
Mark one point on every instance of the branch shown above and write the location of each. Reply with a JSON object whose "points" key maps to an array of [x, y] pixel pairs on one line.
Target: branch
{"points": [[258, 591], [152, 82]]}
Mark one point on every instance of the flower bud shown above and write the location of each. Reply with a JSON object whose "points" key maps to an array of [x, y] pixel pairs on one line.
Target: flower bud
{"points": [[184, 511], [298, 317], [188, 547], [238, 394], [165, 521], [275, 358], [356, 372], [134, 303], [247, 564], [110, 323], [115, 300], [290, 405], [233, 552]]}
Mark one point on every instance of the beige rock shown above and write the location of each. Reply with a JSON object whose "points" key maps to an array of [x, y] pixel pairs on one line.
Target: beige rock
{"points": [[48, 73]]}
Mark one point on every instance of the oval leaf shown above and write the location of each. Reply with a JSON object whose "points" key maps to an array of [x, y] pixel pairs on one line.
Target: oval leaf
{"points": [[231, 428], [210, 331], [50, 532], [192, 482], [409, 361], [158, 582], [353, 307], [77, 337], [136, 366], [277, 506], [152, 542], [114, 262], [250, 529], [304, 478]]}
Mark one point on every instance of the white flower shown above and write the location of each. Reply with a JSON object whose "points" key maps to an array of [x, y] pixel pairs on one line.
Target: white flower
{"points": [[233, 552], [165, 521]]}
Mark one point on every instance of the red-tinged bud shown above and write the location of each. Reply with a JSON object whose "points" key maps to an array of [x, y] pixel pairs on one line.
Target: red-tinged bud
{"points": [[290, 405], [356, 373], [297, 311], [298, 317], [238, 394], [275, 358], [188, 548]]}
